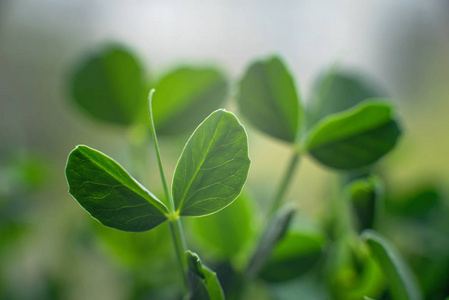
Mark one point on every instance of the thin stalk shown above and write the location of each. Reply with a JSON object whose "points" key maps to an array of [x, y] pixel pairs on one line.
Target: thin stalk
{"points": [[285, 183], [174, 221]]}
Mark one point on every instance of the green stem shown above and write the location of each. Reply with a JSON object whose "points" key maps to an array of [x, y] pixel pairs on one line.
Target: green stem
{"points": [[174, 221], [286, 180]]}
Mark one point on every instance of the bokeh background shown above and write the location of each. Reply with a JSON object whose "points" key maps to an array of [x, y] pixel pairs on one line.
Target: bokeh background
{"points": [[45, 250]]}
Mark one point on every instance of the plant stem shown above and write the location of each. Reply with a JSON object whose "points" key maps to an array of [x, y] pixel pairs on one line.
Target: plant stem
{"points": [[286, 180], [174, 221]]}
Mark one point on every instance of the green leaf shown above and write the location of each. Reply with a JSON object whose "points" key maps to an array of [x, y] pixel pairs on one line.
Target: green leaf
{"points": [[213, 166], [227, 232], [185, 97], [355, 138], [105, 190], [295, 254], [365, 195], [337, 91], [403, 284], [273, 232], [110, 86], [203, 282], [267, 98]]}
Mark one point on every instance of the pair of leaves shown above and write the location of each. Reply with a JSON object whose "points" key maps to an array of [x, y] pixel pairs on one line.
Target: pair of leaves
{"points": [[111, 86], [348, 134], [203, 282], [402, 283], [210, 174]]}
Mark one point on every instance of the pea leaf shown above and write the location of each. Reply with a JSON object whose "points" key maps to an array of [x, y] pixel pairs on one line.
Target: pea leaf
{"points": [[203, 282], [267, 98], [186, 96], [295, 254], [110, 86], [227, 232], [336, 91], [213, 166], [355, 138], [403, 284], [106, 191], [275, 230]]}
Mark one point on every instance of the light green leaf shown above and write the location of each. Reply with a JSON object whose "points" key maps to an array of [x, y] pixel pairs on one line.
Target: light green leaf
{"points": [[110, 86], [402, 282], [273, 232], [295, 254], [203, 282], [355, 138], [337, 91], [267, 98], [213, 166], [227, 232], [105, 190], [185, 97]]}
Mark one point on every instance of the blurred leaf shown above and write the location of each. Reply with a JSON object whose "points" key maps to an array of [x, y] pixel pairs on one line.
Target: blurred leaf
{"points": [[110, 86], [417, 203], [203, 282], [105, 190], [267, 98], [355, 138], [402, 282], [185, 97], [274, 231], [295, 254], [213, 166], [368, 298], [336, 91], [228, 231], [365, 196]]}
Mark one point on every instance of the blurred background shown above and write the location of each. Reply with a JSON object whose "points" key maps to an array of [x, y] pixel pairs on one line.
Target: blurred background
{"points": [[47, 250]]}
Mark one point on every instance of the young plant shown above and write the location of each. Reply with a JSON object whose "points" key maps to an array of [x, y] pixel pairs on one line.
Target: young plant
{"points": [[209, 175]]}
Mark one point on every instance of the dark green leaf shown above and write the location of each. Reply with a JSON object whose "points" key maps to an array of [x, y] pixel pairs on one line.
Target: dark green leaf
{"points": [[203, 282], [336, 91], [355, 138], [402, 282], [295, 254], [274, 231], [185, 97], [213, 166], [267, 98], [103, 188], [110, 86], [365, 195], [228, 231]]}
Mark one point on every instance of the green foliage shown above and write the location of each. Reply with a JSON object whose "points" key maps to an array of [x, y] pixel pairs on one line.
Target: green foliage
{"points": [[402, 283], [202, 280], [110, 86], [355, 138], [185, 97], [213, 166], [104, 189], [268, 99], [295, 254], [336, 91], [227, 232]]}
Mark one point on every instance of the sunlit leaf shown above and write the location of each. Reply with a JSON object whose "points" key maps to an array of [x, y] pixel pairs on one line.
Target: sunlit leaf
{"points": [[185, 97], [203, 282], [267, 98], [228, 231], [401, 280], [110, 86], [336, 91], [355, 138], [105, 190], [295, 254], [213, 166]]}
